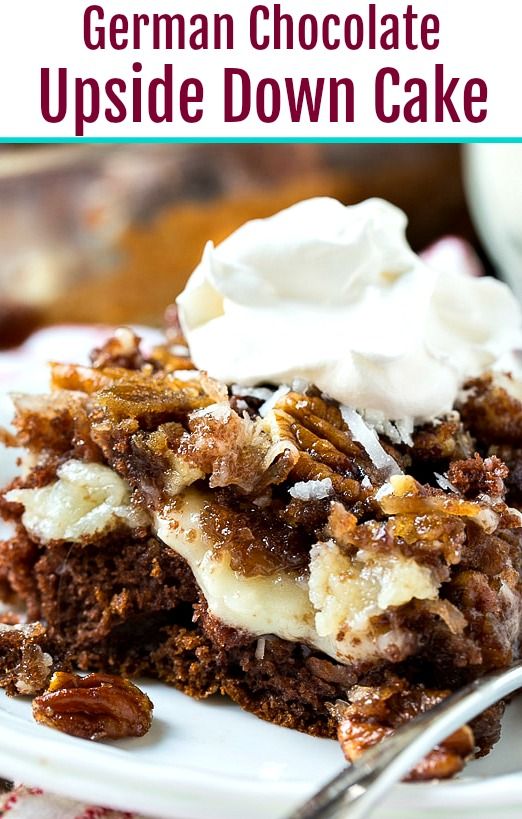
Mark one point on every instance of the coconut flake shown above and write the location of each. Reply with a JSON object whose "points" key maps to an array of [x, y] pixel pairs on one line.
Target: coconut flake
{"points": [[366, 436], [265, 408], [385, 490], [488, 519], [220, 412], [445, 484], [261, 393], [180, 349], [405, 429], [260, 648], [300, 385], [398, 432], [312, 490], [186, 375]]}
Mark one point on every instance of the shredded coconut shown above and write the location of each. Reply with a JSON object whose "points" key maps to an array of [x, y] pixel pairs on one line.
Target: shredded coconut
{"points": [[265, 408], [405, 429], [220, 412], [260, 648], [398, 432], [383, 491], [186, 375], [366, 436], [180, 349], [126, 339], [445, 484], [300, 385], [312, 490], [261, 393]]}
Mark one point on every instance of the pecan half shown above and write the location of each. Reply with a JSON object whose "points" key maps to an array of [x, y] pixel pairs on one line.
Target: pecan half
{"points": [[98, 706], [374, 713], [324, 443]]}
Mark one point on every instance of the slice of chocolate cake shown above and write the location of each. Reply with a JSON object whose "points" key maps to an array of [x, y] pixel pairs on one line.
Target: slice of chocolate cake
{"points": [[326, 566]]}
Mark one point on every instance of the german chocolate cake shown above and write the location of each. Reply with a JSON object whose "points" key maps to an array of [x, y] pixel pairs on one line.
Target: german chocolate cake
{"points": [[307, 499]]}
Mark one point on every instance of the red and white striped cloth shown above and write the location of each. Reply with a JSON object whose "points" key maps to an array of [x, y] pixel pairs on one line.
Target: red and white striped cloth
{"points": [[33, 803]]}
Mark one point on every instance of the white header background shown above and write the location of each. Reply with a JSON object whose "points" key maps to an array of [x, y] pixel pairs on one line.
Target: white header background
{"points": [[477, 39]]}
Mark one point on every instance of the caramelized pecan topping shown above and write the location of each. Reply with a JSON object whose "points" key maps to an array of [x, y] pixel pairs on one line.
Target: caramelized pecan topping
{"points": [[492, 410], [98, 706], [326, 449], [374, 713]]}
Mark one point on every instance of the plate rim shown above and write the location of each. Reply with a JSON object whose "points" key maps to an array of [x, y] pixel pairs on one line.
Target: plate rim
{"points": [[69, 767]]}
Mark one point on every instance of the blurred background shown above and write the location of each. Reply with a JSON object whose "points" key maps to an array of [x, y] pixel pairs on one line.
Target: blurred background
{"points": [[95, 233]]}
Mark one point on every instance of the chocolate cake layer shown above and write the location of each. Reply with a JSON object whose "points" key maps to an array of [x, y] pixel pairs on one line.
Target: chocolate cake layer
{"points": [[132, 607]]}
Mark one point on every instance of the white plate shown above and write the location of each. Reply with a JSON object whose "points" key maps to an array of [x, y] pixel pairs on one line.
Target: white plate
{"points": [[210, 760]]}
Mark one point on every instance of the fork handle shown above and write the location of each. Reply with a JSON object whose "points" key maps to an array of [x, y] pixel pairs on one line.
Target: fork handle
{"points": [[356, 790]]}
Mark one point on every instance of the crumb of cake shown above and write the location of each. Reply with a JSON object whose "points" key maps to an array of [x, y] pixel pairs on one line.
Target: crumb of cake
{"points": [[477, 476], [120, 350], [441, 442], [26, 665], [52, 425], [491, 409]]}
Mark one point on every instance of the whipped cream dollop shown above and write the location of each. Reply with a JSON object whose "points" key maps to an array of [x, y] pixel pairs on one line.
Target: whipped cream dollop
{"points": [[335, 295]]}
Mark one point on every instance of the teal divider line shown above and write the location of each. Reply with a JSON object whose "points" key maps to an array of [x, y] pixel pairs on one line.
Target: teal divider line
{"points": [[257, 140]]}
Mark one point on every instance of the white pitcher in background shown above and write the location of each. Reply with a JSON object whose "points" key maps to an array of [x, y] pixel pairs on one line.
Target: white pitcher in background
{"points": [[493, 178]]}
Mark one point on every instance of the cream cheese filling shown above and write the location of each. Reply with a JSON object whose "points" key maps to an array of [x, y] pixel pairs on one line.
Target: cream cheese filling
{"points": [[329, 608], [86, 500]]}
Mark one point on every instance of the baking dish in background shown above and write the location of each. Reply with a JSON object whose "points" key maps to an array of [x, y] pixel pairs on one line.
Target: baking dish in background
{"points": [[109, 233]]}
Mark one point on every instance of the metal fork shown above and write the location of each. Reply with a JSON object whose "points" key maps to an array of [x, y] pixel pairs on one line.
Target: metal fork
{"points": [[356, 790]]}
